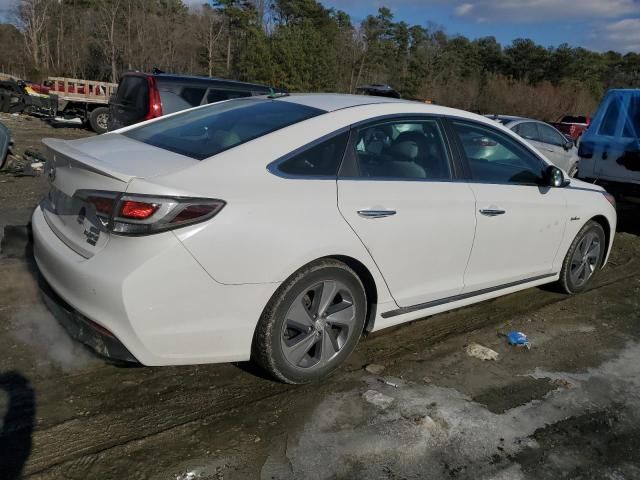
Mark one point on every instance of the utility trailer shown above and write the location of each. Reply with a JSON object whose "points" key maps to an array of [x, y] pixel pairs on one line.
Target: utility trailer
{"points": [[84, 99]]}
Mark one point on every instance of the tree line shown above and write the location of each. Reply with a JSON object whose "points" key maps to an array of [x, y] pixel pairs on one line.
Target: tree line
{"points": [[301, 45]]}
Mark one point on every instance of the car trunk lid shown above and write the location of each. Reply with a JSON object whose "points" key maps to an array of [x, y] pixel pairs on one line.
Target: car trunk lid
{"points": [[106, 163]]}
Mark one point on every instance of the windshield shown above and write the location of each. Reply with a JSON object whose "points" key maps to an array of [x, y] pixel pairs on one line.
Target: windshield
{"points": [[208, 131]]}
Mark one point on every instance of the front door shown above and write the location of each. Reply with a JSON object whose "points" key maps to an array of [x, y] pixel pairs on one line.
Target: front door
{"points": [[520, 224], [400, 199]]}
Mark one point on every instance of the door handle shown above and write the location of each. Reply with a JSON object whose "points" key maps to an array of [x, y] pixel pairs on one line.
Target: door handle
{"points": [[376, 213], [492, 212]]}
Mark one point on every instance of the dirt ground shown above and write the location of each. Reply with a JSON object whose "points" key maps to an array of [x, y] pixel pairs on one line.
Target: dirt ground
{"points": [[567, 408]]}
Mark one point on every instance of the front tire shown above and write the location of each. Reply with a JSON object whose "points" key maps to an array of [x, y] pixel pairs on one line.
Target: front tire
{"points": [[312, 323], [584, 258]]}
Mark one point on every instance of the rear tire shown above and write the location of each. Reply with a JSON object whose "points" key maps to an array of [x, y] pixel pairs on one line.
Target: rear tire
{"points": [[584, 258], [312, 323], [99, 119]]}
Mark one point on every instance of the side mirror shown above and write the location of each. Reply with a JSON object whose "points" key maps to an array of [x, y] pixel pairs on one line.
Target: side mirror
{"points": [[555, 177], [568, 145]]}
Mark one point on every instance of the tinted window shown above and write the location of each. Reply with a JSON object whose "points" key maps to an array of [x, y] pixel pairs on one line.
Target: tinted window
{"points": [[321, 160], [193, 95], [172, 102], [133, 94], [217, 95], [549, 135], [402, 149], [207, 131], [495, 158], [528, 130], [610, 120]]}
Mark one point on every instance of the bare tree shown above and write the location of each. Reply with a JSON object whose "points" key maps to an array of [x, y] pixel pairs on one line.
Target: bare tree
{"points": [[211, 29], [33, 15], [108, 16]]}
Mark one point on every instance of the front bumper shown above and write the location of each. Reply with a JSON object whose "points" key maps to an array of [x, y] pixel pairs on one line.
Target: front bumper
{"points": [[79, 327]]}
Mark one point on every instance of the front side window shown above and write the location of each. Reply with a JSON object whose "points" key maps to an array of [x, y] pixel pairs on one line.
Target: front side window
{"points": [[405, 149], [209, 130], [551, 136], [494, 157], [321, 160]]}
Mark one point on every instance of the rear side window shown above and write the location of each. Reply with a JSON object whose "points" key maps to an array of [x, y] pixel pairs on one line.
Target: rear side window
{"points": [[193, 95], [218, 95], [207, 131], [320, 160], [133, 93], [402, 149], [528, 130]]}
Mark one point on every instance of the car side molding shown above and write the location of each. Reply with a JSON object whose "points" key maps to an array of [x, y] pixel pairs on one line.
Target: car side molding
{"points": [[462, 296]]}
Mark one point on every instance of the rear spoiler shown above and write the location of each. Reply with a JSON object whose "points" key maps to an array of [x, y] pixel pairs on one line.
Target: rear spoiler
{"points": [[88, 162]]}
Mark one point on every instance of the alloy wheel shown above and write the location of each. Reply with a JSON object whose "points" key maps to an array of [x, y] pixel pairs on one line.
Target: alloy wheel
{"points": [[585, 259], [318, 325]]}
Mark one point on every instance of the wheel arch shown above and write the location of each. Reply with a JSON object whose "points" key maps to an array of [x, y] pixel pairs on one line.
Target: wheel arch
{"points": [[604, 223], [369, 284]]}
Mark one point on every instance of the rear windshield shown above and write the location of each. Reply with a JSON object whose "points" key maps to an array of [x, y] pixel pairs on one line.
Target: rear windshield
{"points": [[133, 94], [210, 130]]}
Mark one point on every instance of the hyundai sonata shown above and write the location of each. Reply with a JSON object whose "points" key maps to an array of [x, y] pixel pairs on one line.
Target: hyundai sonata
{"points": [[282, 228]]}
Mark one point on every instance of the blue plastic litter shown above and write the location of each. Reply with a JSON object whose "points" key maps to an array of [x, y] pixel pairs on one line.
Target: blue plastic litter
{"points": [[518, 338]]}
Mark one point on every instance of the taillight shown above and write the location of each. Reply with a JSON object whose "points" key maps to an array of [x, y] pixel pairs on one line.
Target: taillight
{"points": [[155, 102], [131, 214], [137, 210]]}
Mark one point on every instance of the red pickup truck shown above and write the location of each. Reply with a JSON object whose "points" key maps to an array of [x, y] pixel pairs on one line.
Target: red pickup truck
{"points": [[572, 126]]}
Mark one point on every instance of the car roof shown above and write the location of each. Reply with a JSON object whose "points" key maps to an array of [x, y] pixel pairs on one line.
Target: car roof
{"points": [[330, 102]]}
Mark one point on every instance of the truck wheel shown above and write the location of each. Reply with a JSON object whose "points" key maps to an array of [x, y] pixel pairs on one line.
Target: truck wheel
{"points": [[99, 119]]}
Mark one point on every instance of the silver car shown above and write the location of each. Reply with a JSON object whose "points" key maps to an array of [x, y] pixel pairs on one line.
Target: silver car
{"points": [[550, 142]]}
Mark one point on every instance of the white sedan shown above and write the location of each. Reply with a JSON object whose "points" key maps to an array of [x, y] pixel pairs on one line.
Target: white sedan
{"points": [[282, 228]]}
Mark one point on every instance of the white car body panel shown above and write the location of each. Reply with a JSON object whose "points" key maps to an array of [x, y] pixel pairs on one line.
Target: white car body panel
{"points": [[195, 294], [434, 227], [519, 244]]}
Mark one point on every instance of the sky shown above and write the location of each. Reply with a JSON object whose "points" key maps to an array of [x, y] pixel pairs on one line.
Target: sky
{"points": [[599, 25]]}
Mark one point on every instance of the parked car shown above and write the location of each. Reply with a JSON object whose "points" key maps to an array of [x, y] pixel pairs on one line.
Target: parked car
{"points": [[550, 142], [378, 90], [572, 126], [142, 96], [280, 229], [610, 149]]}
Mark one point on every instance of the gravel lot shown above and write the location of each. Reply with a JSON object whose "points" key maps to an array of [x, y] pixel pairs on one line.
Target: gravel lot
{"points": [[567, 408]]}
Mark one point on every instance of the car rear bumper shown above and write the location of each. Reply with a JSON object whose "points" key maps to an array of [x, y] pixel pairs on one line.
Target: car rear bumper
{"points": [[153, 297], [99, 339]]}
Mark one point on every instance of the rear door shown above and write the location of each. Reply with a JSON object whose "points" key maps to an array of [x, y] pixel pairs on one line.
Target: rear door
{"points": [[519, 223], [398, 191], [130, 104]]}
